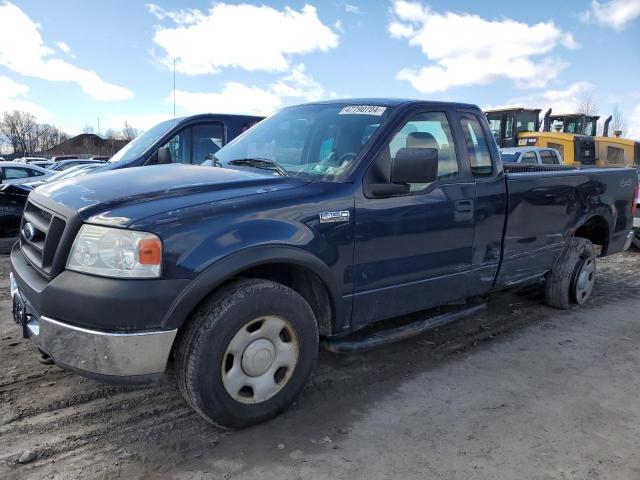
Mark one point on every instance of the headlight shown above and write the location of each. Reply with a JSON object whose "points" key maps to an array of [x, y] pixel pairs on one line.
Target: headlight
{"points": [[112, 252]]}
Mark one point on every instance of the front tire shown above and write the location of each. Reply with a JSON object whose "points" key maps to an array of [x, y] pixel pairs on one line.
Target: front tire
{"points": [[246, 353], [572, 278]]}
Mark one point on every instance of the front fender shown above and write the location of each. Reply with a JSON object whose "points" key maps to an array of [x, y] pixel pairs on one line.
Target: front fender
{"points": [[229, 266]]}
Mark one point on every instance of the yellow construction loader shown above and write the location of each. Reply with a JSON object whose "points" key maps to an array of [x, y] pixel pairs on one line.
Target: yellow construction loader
{"points": [[520, 127]]}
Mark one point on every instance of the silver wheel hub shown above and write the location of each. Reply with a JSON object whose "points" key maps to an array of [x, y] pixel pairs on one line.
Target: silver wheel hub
{"points": [[585, 281], [260, 359]]}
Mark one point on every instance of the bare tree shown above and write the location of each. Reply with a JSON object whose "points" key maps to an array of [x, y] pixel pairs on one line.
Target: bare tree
{"points": [[129, 132], [618, 120], [586, 103], [24, 135], [17, 128]]}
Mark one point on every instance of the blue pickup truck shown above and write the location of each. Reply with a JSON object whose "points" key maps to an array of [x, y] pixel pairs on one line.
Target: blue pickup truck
{"points": [[321, 220]]}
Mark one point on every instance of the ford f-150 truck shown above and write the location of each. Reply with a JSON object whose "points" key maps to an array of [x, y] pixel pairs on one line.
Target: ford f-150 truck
{"points": [[321, 220]]}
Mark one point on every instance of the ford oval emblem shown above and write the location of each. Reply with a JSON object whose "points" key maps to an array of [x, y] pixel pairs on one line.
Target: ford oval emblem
{"points": [[28, 231]]}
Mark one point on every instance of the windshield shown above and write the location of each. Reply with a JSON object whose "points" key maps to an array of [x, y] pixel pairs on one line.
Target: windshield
{"points": [[314, 141], [510, 157], [141, 143], [527, 122]]}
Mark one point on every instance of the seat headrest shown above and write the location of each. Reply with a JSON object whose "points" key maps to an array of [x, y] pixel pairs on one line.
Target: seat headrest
{"points": [[422, 140]]}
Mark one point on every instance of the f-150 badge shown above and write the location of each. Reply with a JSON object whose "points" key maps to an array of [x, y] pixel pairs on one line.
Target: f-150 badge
{"points": [[331, 217]]}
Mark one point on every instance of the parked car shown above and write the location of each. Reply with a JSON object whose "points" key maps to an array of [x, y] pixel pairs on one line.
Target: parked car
{"points": [[42, 163], [12, 173], [59, 158], [13, 199], [321, 220], [66, 164], [102, 158], [531, 155], [31, 159]]}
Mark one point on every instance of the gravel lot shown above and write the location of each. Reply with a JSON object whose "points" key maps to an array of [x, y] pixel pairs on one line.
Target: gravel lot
{"points": [[522, 391]]}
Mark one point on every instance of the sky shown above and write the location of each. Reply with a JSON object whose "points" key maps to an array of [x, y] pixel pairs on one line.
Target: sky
{"points": [[78, 63]]}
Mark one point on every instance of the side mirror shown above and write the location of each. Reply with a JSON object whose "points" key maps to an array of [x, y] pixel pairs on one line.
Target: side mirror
{"points": [[164, 156], [415, 165]]}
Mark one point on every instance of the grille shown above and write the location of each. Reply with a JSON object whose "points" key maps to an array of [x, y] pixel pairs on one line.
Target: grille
{"points": [[40, 248]]}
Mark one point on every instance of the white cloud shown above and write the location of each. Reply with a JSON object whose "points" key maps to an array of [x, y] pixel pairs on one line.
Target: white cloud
{"points": [[23, 51], [15, 96], [63, 46], [560, 100], [465, 49], [241, 36], [614, 13], [349, 8], [295, 87], [633, 130]]}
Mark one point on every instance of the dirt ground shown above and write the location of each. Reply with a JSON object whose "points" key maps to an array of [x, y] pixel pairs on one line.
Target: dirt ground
{"points": [[522, 391]]}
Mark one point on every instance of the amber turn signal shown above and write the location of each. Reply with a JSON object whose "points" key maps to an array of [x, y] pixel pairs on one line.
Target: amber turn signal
{"points": [[150, 251]]}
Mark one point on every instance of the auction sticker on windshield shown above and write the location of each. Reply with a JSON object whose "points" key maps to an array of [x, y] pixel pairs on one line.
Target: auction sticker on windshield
{"points": [[363, 110]]}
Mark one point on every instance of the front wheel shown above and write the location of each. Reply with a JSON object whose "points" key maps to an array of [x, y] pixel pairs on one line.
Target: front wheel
{"points": [[636, 239], [572, 278], [247, 352]]}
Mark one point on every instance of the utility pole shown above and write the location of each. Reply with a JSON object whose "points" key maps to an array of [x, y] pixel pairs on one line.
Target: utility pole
{"points": [[174, 91]]}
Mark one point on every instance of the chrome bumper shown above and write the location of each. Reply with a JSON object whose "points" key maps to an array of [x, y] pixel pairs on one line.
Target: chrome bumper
{"points": [[96, 353]]}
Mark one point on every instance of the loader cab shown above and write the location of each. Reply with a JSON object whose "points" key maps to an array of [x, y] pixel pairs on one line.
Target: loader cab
{"points": [[575, 123], [507, 124]]}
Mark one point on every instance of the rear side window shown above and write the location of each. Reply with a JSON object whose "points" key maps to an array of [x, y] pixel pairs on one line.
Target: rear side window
{"points": [[12, 173], [548, 158], [477, 145]]}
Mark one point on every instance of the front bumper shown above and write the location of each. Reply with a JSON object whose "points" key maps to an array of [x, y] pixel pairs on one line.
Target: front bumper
{"points": [[107, 355], [102, 328]]}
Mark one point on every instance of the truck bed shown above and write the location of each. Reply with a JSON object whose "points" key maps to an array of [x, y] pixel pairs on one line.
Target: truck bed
{"points": [[546, 203]]}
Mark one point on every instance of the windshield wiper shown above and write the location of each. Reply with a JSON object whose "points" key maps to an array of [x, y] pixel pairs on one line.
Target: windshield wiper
{"points": [[262, 163]]}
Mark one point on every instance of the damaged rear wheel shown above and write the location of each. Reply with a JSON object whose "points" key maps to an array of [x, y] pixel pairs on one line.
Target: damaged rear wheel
{"points": [[572, 278]]}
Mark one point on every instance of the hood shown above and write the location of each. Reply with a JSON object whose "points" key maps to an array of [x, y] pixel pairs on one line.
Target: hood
{"points": [[120, 197]]}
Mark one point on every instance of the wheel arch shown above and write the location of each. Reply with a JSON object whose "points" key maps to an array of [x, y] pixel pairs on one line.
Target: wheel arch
{"points": [[291, 266], [596, 229]]}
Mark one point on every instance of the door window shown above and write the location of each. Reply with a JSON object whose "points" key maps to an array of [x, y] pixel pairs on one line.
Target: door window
{"points": [[207, 140], [427, 130], [529, 157], [180, 146], [477, 145], [508, 126], [35, 173]]}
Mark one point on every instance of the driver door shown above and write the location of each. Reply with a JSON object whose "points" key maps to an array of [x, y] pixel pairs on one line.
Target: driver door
{"points": [[414, 251]]}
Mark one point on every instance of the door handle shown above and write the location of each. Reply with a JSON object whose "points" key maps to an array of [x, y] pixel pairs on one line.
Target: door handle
{"points": [[464, 206]]}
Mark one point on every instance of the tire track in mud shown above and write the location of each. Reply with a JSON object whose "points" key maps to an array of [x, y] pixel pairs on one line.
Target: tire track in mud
{"points": [[84, 428]]}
